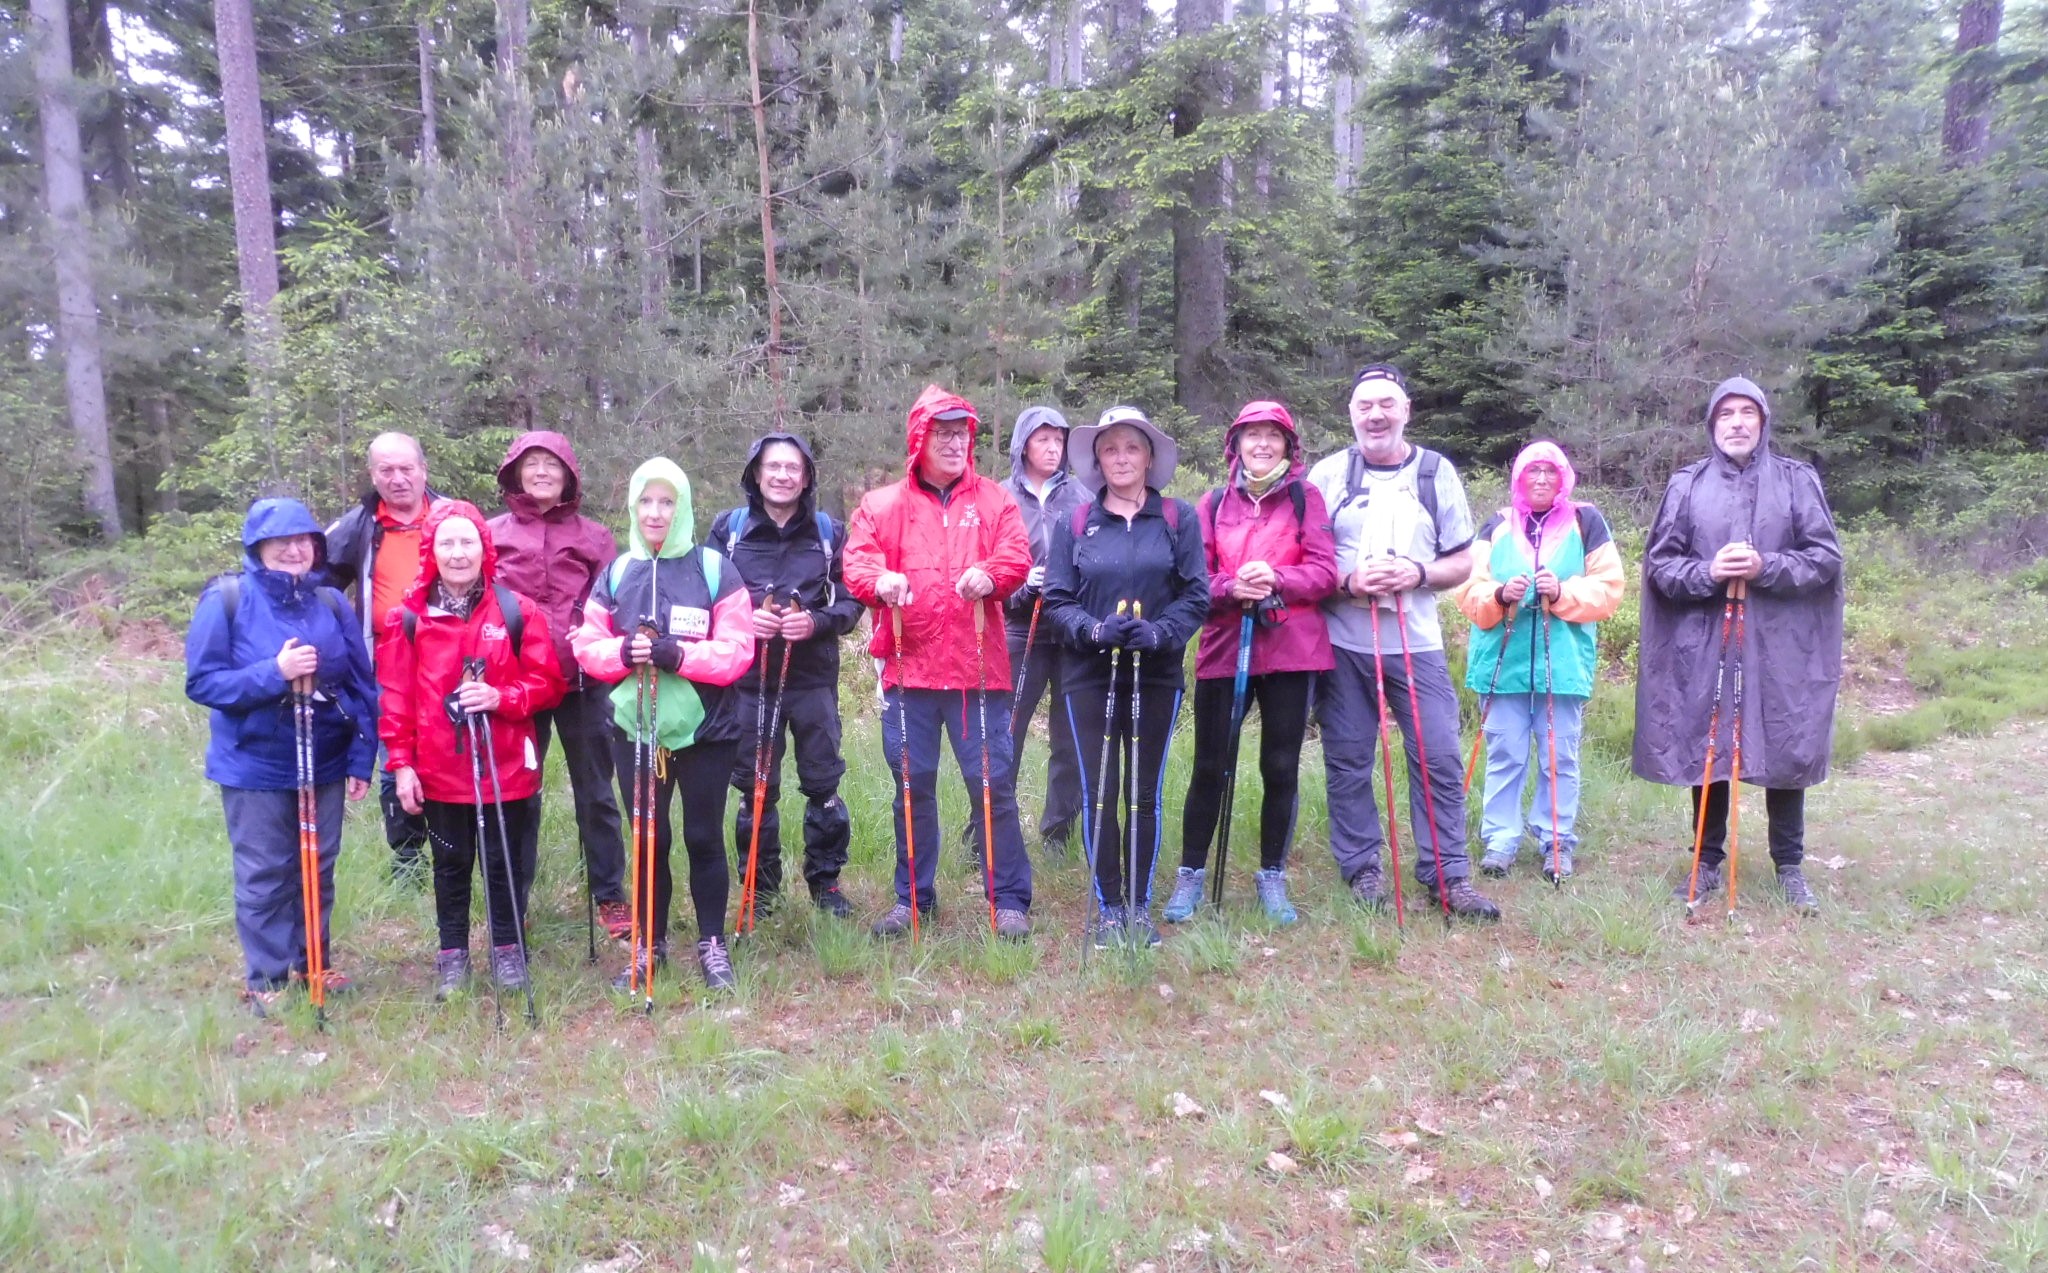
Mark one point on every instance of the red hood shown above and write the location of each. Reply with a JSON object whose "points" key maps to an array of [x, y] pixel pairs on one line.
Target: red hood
{"points": [[554, 444], [1265, 412], [430, 571], [922, 414]]}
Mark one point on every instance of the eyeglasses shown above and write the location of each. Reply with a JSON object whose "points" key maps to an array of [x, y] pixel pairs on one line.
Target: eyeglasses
{"points": [[952, 437]]}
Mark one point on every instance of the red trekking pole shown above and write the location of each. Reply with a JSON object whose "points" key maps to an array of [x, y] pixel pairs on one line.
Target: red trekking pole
{"points": [[1436, 847], [309, 849], [764, 758], [903, 733], [1739, 590], [988, 819], [1379, 681]]}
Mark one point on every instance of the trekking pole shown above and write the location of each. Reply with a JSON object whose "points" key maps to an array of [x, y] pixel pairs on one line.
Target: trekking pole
{"points": [[1101, 785], [473, 737], [988, 818], [1132, 752], [1436, 847], [1739, 590], [764, 744], [1550, 729], [505, 855], [1486, 700], [903, 737], [646, 724], [1017, 694], [1393, 820], [309, 849], [1236, 738], [1699, 832]]}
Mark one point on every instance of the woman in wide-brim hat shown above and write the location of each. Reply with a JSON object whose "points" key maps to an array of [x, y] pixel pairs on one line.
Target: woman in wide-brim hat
{"points": [[1125, 589]]}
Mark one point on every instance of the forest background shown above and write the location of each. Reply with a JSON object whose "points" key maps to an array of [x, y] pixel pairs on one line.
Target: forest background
{"points": [[238, 239]]}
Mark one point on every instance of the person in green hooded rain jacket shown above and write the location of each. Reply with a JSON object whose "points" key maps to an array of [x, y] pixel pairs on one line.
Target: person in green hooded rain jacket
{"points": [[678, 607]]}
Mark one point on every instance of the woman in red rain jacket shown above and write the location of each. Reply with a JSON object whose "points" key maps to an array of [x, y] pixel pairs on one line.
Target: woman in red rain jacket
{"points": [[460, 635]]}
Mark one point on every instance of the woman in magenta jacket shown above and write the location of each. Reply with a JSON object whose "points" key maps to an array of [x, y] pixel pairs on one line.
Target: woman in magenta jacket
{"points": [[1267, 536]]}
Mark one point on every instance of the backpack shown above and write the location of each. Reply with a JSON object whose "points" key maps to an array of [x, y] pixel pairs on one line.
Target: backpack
{"points": [[1296, 496], [711, 563], [1425, 481], [739, 520], [231, 599], [508, 605]]}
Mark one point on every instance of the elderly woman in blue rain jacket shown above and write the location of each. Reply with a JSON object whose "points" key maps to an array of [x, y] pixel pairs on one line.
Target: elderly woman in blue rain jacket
{"points": [[252, 635]]}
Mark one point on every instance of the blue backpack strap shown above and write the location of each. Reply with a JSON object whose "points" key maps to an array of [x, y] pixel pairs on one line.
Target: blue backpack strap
{"points": [[713, 567], [735, 526], [825, 530]]}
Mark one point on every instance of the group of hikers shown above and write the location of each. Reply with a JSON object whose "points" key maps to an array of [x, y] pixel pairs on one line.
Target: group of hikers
{"points": [[680, 670]]}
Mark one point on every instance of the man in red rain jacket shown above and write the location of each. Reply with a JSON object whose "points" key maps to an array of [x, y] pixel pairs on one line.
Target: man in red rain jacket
{"points": [[935, 547]]}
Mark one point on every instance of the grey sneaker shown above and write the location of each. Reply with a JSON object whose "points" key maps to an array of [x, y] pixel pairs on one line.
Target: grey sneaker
{"points": [[1272, 886], [1793, 880], [1012, 925], [509, 967], [716, 964], [637, 972], [1557, 863], [1187, 895], [451, 969], [1109, 927], [1369, 888], [897, 921], [1709, 884], [1498, 862], [1139, 927]]}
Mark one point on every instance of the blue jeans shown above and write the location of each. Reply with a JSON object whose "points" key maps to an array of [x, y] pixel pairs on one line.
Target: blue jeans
{"points": [[956, 713], [1517, 732]]}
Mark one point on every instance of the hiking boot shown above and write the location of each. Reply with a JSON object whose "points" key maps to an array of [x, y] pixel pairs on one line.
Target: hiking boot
{"points": [[1012, 925], [1466, 902], [897, 921], [831, 901], [1187, 895], [1498, 862], [1054, 846], [451, 969], [1272, 886], [616, 918], [1793, 880], [1369, 888], [716, 964], [628, 979], [1557, 864], [1709, 884], [337, 982], [263, 1004], [508, 966], [1139, 927], [1109, 927]]}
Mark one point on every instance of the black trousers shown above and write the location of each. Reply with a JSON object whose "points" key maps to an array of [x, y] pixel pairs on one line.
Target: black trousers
{"points": [[584, 721], [1108, 842], [698, 775], [451, 829], [1040, 673], [810, 724], [406, 833], [1784, 810], [1283, 700]]}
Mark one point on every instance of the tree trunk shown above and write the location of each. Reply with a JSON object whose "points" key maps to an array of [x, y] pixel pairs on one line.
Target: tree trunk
{"points": [[430, 115], [1200, 267], [772, 281], [241, 94], [78, 323], [1966, 121], [109, 154], [647, 171], [1346, 136], [515, 121], [1272, 78], [1126, 54]]}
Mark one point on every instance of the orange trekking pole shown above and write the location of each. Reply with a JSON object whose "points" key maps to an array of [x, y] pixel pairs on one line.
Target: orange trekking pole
{"points": [[1550, 729], [1699, 833], [309, 849], [903, 737], [764, 759], [646, 788]]}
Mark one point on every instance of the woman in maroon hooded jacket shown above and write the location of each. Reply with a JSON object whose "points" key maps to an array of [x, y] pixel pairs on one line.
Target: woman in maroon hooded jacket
{"points": [[1267, 534], [548, 551]]}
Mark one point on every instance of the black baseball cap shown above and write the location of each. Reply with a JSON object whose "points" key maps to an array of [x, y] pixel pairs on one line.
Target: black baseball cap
{"points": [[1380, 371]]}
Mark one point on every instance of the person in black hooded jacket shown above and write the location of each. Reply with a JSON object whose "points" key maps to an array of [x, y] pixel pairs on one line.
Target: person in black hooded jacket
{"points": [[788, 551]]}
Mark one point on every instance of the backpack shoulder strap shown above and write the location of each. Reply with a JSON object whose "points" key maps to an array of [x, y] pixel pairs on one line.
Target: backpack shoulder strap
{"points": [[333, 598], [1425, 481], [408, 622], [230, 597], [824, 529], [1079, 521], [1205, 511], [735, 526], [515, 618], [713, 567], [1297, 495]]}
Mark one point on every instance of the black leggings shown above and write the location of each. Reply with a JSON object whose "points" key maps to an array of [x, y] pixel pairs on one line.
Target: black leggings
{"points": [[1158, 705], [1283, 700], [451, 830], [698, 772], [1784, 810]]}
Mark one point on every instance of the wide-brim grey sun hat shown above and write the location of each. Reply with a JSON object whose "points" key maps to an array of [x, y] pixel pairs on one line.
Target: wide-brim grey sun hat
{"points": [[1081, 448]]}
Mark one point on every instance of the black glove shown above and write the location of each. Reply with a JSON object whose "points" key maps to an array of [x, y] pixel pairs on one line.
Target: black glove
{"points": [[1146, 636], [667, 654], [1112, 632]]}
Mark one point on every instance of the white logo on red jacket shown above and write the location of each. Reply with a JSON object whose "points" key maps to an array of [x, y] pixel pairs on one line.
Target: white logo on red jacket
{"points": [[971, 517], [493, 632]]}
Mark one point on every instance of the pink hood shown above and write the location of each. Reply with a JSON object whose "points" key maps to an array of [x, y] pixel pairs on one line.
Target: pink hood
{"points": [[1562, 510]]}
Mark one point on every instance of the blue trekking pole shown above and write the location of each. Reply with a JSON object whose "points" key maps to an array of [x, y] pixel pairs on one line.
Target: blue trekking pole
{"points": [[1237, 697]]}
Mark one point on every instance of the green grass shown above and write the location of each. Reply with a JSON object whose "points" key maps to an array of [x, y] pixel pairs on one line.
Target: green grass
{"points": [[970, 1104]]}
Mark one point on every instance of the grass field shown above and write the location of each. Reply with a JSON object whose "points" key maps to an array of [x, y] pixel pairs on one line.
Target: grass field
{"points": [[1592, 1083]]}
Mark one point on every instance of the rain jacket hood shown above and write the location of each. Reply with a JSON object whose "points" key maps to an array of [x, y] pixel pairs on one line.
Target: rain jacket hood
{"points": [[750, 473], [1791, 651], [1558, 520], [1265, 412], [1029, 421], [682, 531], [275, 519], [430, 569], [924, 413], [508, 474]]}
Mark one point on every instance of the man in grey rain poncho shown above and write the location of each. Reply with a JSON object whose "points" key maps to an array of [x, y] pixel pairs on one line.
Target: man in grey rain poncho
{"points": [[1745, 512]]}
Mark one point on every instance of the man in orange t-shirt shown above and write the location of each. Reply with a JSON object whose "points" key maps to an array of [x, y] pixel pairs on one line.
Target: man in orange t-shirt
{"points": [[375, 547]]}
